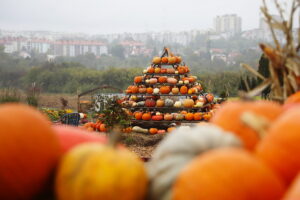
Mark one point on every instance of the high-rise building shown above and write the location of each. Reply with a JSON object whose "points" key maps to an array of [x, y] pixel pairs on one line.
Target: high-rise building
{"points": [[228, 24]]}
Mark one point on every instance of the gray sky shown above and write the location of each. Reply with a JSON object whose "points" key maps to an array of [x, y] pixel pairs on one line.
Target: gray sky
{"points": [[117, 16]]}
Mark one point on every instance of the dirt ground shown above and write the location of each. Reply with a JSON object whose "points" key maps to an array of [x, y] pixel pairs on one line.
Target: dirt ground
{"points": [[53, 100]]}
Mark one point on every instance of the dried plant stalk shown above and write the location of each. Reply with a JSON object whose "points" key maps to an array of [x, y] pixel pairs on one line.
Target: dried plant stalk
{"points": [[284, 63]]}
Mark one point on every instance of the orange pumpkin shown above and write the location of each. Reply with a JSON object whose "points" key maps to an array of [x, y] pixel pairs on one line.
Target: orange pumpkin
{"points": [[150, 103], [183, 89], [146, 116], [156, 60], [181, 70], [160, 103], [153, 131], [138, 115], [150, 90], [163, 70], [162, 79], [161, 132], [198, 116], [207, 116], [164, 60], [157, 117], [175, 90], [209, 97], [172, 80], [134, 89], [171, 71], [191, 91], [229, 117], [29, 153], [170, 129], [178, 59], [172, 60], [138, 79], [280, 147], [103, 128], [217, 175], [165, 89], [168, 117], [150, 70], [189, 116], [294, 98], [294, 191], [188, 103], [157, 70], [142, 90]]}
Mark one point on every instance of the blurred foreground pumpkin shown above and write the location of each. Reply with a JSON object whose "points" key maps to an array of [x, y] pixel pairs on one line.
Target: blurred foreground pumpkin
{"points": [[177, 149], [280, 148], [29, 152], [69, 137], [293, 192], [230, 118], [227, 174], [95, 171]]}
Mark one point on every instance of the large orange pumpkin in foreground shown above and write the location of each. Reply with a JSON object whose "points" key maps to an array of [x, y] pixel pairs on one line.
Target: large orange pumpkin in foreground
{"points": [[280, 148], [29, 151], [229, 117], [293, 192], [294, 98], [227, 174]]}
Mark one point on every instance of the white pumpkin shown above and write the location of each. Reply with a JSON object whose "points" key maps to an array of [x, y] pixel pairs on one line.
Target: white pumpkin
{"points": [[147, 81], [186, 82], [199, 104], [177, 149], [178, 104], [155, 90], [180, 82], [176, 72], [144, 71]]}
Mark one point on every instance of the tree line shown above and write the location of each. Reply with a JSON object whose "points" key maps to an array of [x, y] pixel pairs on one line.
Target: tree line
{"points": [[73, 77]]}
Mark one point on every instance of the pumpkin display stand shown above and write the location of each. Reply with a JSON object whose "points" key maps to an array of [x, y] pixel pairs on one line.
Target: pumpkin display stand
{"points": [[166, 95]]}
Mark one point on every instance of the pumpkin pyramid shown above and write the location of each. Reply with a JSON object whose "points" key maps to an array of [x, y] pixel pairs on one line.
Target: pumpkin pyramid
{"points": [[166, 95]]}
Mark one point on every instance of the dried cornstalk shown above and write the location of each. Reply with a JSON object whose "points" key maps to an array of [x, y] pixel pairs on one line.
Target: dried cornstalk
{"points": [[284, 59]]}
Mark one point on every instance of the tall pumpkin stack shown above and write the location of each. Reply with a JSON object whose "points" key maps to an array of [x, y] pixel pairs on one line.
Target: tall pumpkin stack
{"points": [[167, 95]]}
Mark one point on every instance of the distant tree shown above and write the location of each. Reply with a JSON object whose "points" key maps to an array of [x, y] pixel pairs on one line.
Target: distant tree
{"points": [[263, 69]]}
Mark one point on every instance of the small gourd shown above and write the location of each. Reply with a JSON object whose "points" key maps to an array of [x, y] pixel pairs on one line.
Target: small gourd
{"points": [[139, 129]]}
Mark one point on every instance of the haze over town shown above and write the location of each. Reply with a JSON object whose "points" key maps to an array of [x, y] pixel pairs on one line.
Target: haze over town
{"points": [[118, 16]]}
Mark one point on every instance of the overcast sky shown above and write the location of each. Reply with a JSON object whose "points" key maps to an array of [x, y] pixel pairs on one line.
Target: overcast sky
{"points": [[118, 16]]}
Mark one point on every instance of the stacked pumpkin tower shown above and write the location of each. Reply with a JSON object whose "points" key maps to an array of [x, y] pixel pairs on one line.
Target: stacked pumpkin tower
{"points": [[166, 95]]}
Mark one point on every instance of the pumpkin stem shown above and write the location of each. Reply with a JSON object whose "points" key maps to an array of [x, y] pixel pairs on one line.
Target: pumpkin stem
{"points": [[256, 122], [115, 136]]}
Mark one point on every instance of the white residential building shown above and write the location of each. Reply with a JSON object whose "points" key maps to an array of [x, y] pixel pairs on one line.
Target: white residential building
{"points": [[228, 24]]}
